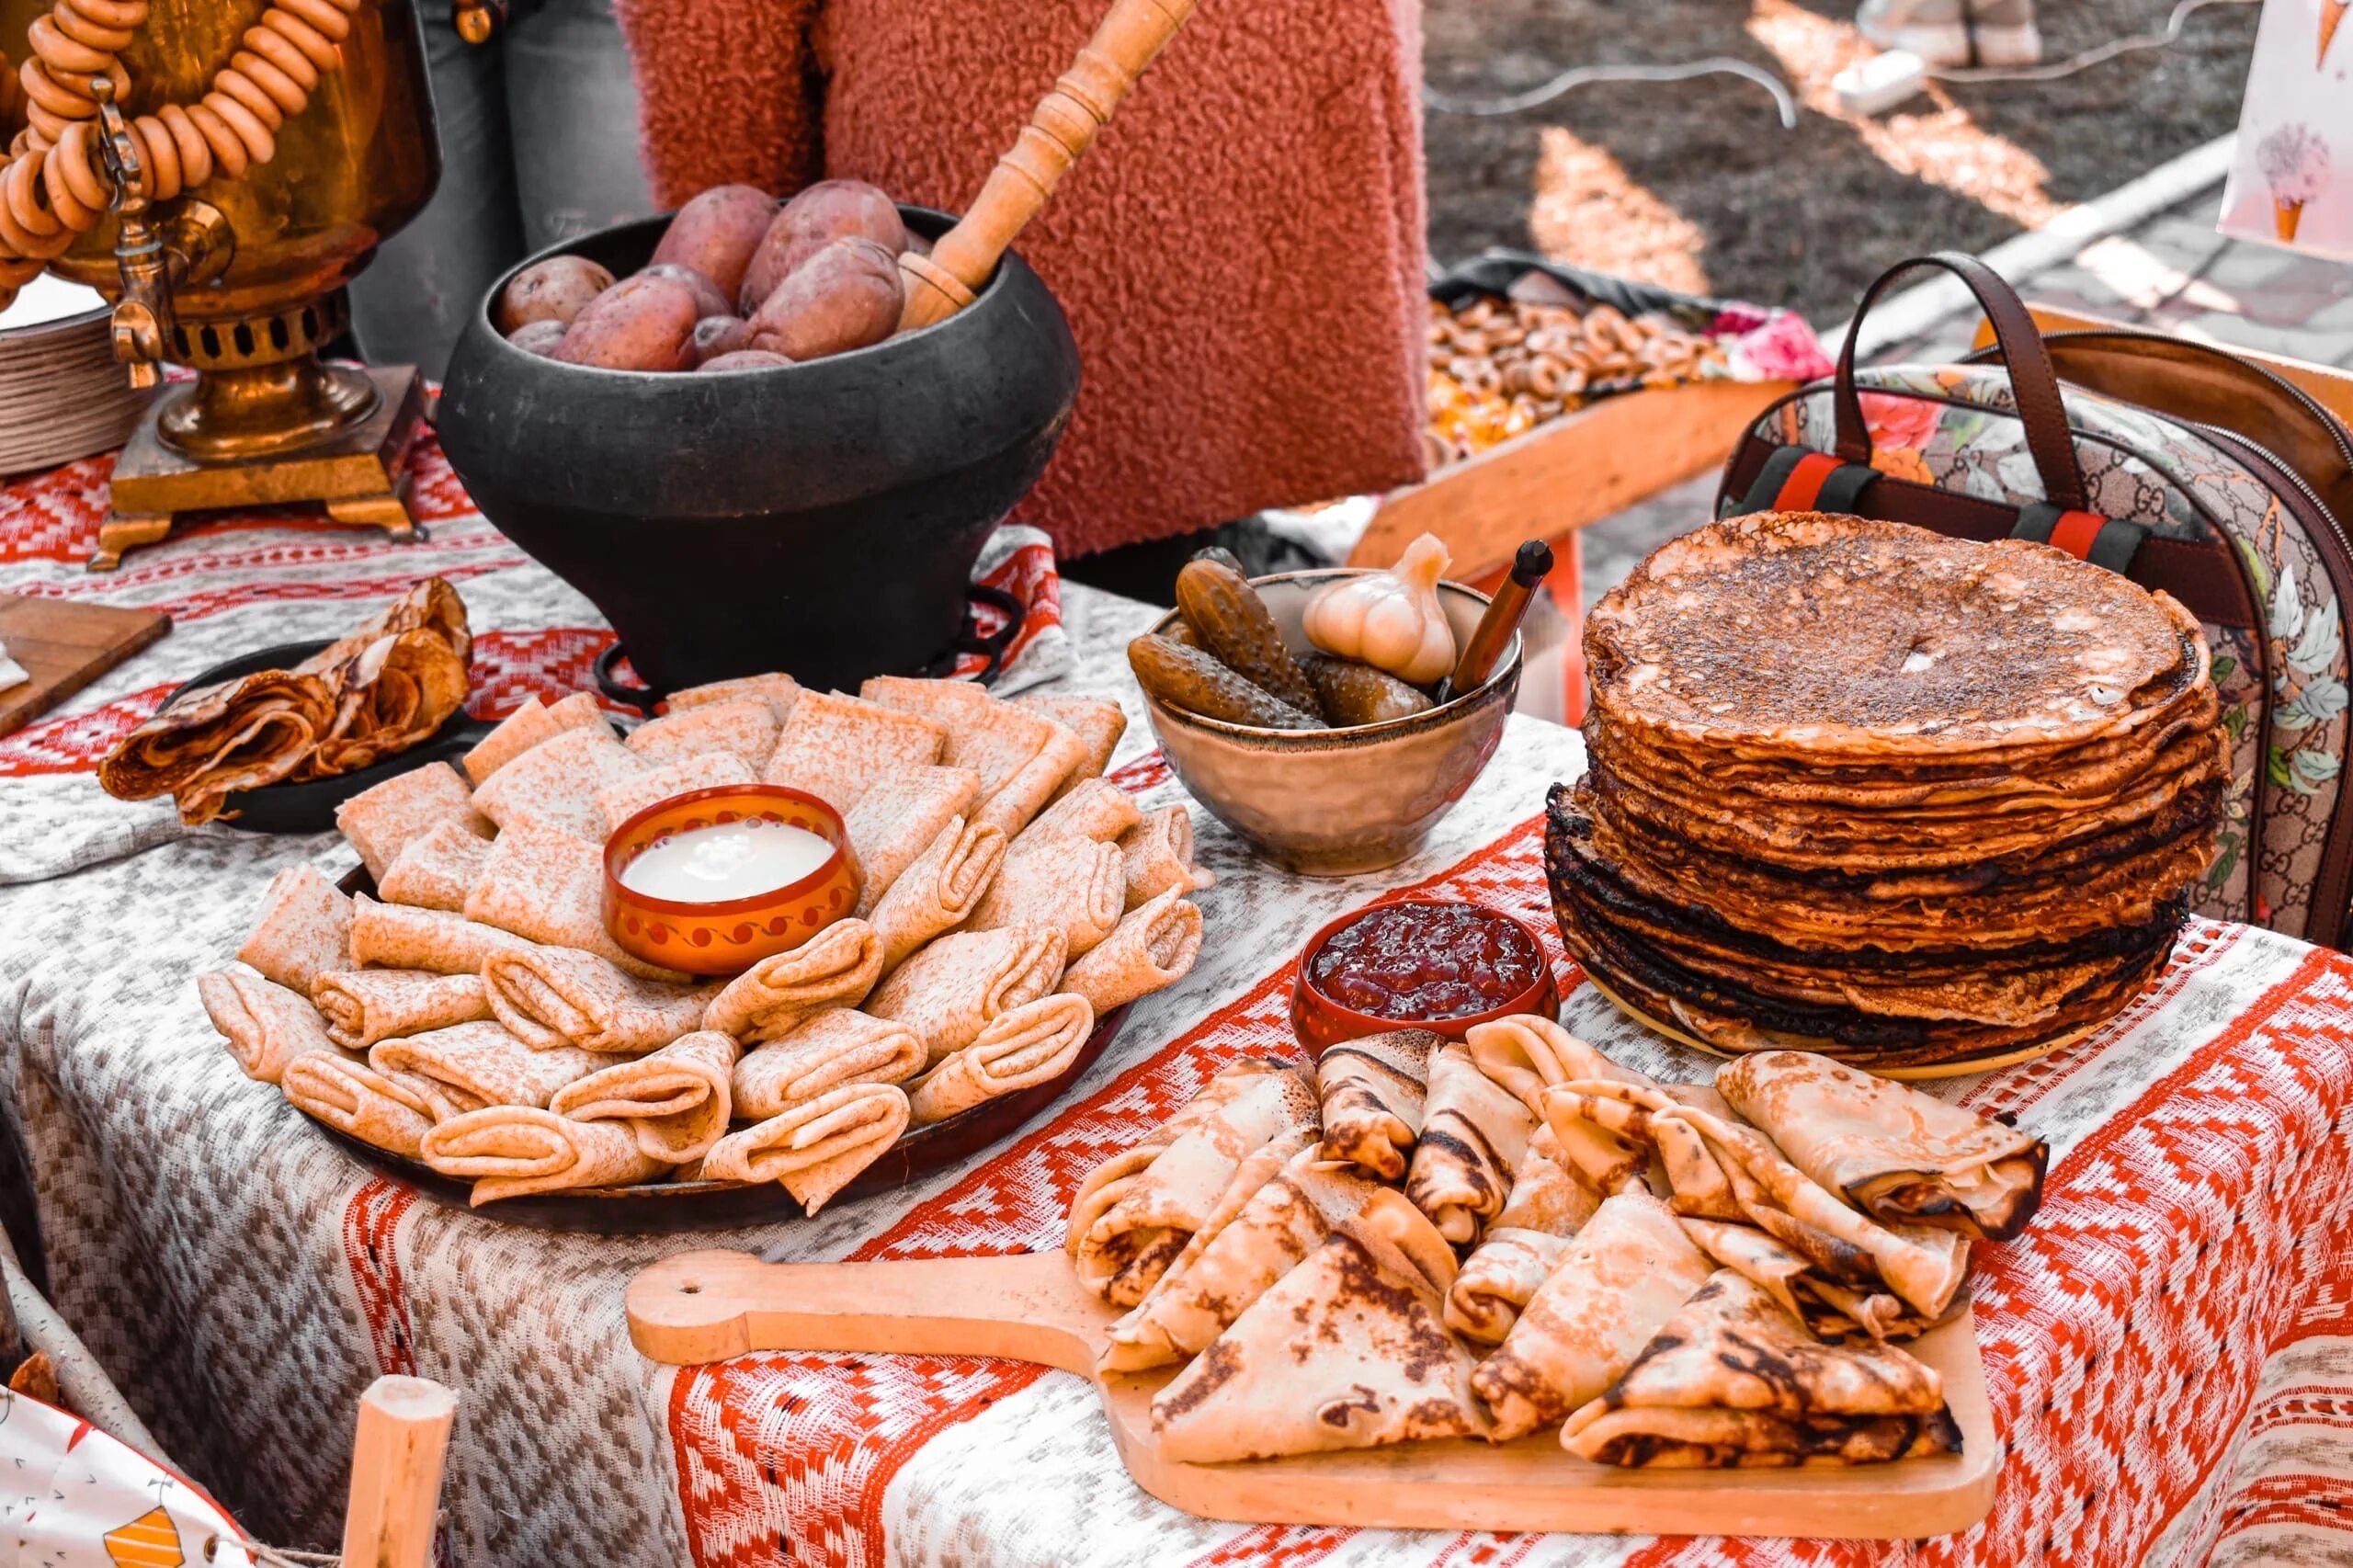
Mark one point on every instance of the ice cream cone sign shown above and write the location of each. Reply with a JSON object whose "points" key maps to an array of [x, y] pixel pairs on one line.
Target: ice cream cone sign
{"points": [[2332, 12], [2294, 162]]}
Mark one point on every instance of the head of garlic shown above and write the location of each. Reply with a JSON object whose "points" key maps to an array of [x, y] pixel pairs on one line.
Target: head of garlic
{"points": [[1390, 620]]}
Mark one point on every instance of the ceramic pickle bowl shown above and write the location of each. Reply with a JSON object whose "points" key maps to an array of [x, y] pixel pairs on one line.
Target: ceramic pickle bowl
{"points": [[728, 937], [1321, 1022]]}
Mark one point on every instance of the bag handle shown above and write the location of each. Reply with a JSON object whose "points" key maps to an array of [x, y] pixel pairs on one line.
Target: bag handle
{"points": [[2033, 382]]}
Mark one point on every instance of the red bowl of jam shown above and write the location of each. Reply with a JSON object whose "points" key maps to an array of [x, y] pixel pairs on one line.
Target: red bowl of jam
{"points": [[1434, 964]]}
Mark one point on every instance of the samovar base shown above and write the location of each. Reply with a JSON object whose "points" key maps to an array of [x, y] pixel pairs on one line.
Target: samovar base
{"points": [[362, 476]]}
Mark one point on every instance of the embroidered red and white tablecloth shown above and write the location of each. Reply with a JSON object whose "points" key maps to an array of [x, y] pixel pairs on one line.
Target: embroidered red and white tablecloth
{"points": [[2170, 1347]]}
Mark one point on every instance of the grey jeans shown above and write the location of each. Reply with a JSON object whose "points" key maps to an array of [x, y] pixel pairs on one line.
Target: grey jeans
{"points": [[539, 143]]}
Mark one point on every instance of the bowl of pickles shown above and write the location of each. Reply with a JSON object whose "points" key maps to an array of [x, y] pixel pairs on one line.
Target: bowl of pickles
{"points": [[1313, 713]]}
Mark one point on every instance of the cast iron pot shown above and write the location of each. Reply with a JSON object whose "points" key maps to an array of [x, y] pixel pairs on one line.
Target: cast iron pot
{"points": [[821, 518]]}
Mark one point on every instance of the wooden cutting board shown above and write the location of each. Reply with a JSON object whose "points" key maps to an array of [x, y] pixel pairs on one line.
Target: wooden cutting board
{"points": [[65, 647], [708, 1306]]}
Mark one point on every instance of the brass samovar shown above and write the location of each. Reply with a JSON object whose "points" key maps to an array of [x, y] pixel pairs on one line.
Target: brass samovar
{"points": [[220, 169]]}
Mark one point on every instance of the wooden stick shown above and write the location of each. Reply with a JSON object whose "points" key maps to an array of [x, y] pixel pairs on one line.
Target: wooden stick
{"points": [[396, 1473], [1060, 132]]}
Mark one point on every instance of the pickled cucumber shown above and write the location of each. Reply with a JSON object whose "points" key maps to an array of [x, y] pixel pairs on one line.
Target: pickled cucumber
{"points": [[1235, 624], [1191, 679], [1356, 693]]}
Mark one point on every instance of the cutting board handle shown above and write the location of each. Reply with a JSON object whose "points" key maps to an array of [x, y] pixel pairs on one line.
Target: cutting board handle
{"points": [[708, 1306]]}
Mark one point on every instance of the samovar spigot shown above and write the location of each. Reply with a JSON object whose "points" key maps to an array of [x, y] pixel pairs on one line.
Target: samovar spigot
{"points": [[143, 317]]}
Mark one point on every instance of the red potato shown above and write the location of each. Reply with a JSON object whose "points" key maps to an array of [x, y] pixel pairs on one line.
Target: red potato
{"points": [[744, 359], [716, 234], [715, 335], [643, 323], [826, 212], [708, 300], [845, 297], [555, 289], [539, 338]]}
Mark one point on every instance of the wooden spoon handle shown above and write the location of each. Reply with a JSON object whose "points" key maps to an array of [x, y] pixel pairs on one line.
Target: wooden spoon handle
{"points": [[1062, 128]]}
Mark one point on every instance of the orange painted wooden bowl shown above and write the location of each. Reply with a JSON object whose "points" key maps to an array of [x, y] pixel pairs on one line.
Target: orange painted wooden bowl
{"points": [[730, 937]]}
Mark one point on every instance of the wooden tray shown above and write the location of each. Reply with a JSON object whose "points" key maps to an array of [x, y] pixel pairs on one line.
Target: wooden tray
{"points": [[707, 1306]]}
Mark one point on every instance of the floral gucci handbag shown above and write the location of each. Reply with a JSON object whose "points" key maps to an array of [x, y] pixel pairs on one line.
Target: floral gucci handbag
{"points": [[2185, 467]]}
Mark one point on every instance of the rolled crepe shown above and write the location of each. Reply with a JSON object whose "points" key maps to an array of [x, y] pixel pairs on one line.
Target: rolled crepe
{"points": [[779, 692], [1752, 1255], [1544, 1195], [950, 991], [1528, 1054], [1371, 1091], [1157, 857], [546, 885], [1624, 1275], [676, 1101], [553, 786], [266, 1024], [1150, 949], [1017, 1049], [437, 870], [1134, 1216], [837, 747], [936, 894], [524, 728], [623, 801], [485, 1061], [1013, 804], [1499, 1278], [836, 968], [1072, 885], [1091, 808], [551, 997], [353, 1097], [838, 1046], [1609, 1137], [304, 929], [513, 1151], [1733, 1378], [1348, 1350], [896, 820], [1021, 756], [1891, 1150], [396, 936], [1473, 1133], [1097, 721], [384, 819], [364, 1005], [743, 728], [818, 1147]]}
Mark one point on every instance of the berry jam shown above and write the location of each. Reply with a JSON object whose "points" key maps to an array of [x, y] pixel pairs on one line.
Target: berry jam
{"points": [[1422, 962]]}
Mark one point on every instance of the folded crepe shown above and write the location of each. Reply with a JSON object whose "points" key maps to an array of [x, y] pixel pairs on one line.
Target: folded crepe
{"points": [[836, 968], [1623, 1276], [1473, 1133], [1136, 1213], [676, 1101], [551, 997], [1498, 1279], [621, 802], [383, 1110], [936, 894], [1151, 948], [513, 1151], [1097, 721], [1528, 1054], [397, 935], [384, 819], [242, 734], [741, 727], [896, 819], [1754, 1256], [304, 929], [950, 991], [1017, 1049], [1373, 1093], [1089, 808], [395, 679], [1733, 1378], [364, 1005], [554, 785], [1157, 857], [1348, 1350], [1836, 1313], [1889, 1150], [1075, 886], [526, 728], [779, 692], [437, 870], [544, 884], [816, 1147], [1021, 756], [837, 747], [266, 1024], [1611, 1132], [836, 1047], [485, 1062], [1545, 1196]]}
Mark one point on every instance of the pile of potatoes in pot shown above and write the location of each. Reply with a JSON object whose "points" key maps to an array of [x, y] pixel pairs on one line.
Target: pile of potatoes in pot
{"points": [[736, 284]]}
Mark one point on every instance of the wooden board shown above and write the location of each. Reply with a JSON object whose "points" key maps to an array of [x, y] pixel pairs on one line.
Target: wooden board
{"points": [[708, 1306], [65, 647]]}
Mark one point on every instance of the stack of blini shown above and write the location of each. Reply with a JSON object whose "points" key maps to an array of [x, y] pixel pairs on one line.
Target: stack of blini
{"points": [[1907, 801], [475, 1015], [1421, 1238]]}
